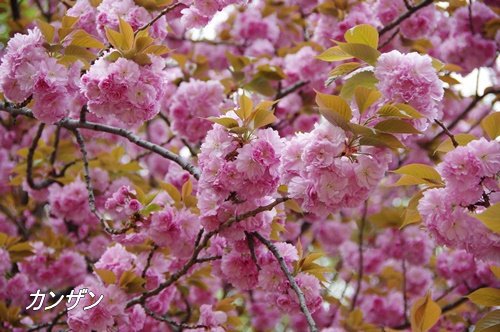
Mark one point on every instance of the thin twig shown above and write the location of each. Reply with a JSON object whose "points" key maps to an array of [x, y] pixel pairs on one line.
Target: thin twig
{"points": [[291, 280], [292, 88], [57, 136], [203, 243], [208, 259], [469, 107], [56, 318], [148, 262], [160, 14], [405, 295], [20, 226], [452, 137], [389, 39], [29, 161], [404, 16], [251, 247], [471, 23], [88, 183], [360, 244], [71, 124], [173, 322]]}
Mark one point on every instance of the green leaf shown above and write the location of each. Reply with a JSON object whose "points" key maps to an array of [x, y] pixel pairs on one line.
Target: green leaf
{"points": [[262, 118], [141, 59], [489, 323], [234, 321], [237, 62], [386, 218], [187, 189], [490, 217], [343, 69], [382, 139], [226, 122], [156, 50], [362, 52], [334, 54], [246, 106], [225, 305], [335, 118], [62, 33], [171, 191], [419, 170], [69, 21], [461, 139], [488, 297], [495, 270], [127, 32], [409, 180], [363, 78], [396, 126], [491, 125], [438, 65], [141, 43], [107, 276], [362, 34], [47, 30], [361, 130], [79, 52], [365, 97], [261, 85], [270, 72], [411, 214], [424, 314], [88, 42], [335, 103], [115, 39], [407, 110]]}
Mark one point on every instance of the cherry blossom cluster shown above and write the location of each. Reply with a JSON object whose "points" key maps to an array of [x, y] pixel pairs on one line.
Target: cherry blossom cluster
{"points": [[28, 70], [124, 90], [322, 177], [410, 78], [471, 174]]}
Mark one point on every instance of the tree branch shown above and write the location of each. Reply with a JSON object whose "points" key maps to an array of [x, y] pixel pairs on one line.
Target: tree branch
{"points": [[472, 104], [202, 244], [160, 14], [360, 243], [404, 16], [452, 137], [71, 124], [291, 280], [88, 183], [173, 322], [29, 161]]}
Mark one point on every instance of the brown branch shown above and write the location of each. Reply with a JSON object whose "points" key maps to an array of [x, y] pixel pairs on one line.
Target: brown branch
{"points": [[148, 262], [88, 183], [472, 104], [173, 322], [389, 39], [29, 161], [360, 244], [291, 280], [202, 244], [208, 259], [404, 16], [72, 124], [160, 14], [20, 226], [292, 88], [447, 131]]}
